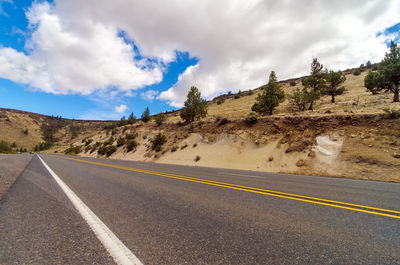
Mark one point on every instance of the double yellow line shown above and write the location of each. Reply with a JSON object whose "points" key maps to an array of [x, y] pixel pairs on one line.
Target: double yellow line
{"points": [[302, 198]]}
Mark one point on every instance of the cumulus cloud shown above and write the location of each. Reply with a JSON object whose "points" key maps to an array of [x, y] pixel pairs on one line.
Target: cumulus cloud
{"points": [[68, 56], [149, 95], [75, 46], [121, 108]]}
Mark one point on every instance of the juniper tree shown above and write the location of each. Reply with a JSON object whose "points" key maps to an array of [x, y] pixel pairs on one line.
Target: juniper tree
{"points": [[194, 107], [146, 115], [388, 75], [272, 95], [334, 80], [314, 83]]}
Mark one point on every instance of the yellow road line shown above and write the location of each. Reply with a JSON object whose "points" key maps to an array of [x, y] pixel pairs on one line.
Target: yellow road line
{"points": [[279, 194]]}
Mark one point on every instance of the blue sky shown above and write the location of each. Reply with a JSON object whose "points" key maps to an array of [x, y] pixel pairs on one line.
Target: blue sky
{"points": [[13, 30], [76, 59]]}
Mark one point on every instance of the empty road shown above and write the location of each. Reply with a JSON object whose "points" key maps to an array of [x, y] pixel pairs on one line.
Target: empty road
{"points": [[169, 214]]}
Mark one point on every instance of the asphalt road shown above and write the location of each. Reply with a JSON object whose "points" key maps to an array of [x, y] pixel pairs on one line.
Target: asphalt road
{"points": [[167, 214]]}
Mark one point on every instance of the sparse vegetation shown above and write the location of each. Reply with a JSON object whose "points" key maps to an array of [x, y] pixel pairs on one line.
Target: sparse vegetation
{"points": [[131, 145], [158, 141], [107, 150], [184, 146], [120, 141], [160, 118], [73, 150], [197, 159], [251, 118], [43, 146], [292, 83], [174, 148], [194, 107], [220, 100], [270, 98], [26, 131], [357, 72], [237, 96], [5, 147]]}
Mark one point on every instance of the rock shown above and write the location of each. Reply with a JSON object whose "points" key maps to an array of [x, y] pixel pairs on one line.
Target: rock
{"points": [[311, 154], [271, 158], [328, 112], [395, 155], [300, 163]]}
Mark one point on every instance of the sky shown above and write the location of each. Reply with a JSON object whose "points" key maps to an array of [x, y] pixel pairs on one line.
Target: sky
{"points": [[101, 59]]}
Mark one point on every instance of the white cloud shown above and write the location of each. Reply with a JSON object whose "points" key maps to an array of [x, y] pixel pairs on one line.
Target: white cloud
{"points": [[75, 47], [149, 95], [121, 108], [68, 56]]}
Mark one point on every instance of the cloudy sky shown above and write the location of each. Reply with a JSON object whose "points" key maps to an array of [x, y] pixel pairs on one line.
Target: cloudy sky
{"points": [[101, 59]]}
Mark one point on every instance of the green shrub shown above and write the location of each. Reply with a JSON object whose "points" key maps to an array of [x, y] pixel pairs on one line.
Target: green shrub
{"points": [[251, 118], [220, 100], [158, 141], [250, 92], [236, 96], [120, 141], [110, 141], [73, 150], [88, 141], [131, 145], [160, 118], [194, 145], [88, 148], [43, 146], [26, 131], [130, 136], [174, 148], [292, 83], [5, 147], [197, 158], [357, 72], [114, 131], [184, 146], [14, 144], [95, 146], [107, 150]]}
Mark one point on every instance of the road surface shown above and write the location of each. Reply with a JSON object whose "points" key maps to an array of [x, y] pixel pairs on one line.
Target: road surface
{"points": [[169, 214]]}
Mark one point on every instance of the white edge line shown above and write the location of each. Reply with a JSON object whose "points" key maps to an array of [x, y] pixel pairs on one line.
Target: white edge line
{"points": [[121, 254]]}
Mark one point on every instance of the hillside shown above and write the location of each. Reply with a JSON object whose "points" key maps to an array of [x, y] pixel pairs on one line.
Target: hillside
{"points": [[354, 137], [28, 130]]}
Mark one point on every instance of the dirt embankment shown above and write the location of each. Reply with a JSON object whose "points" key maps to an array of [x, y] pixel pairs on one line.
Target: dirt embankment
{"points": [[355, 146]]}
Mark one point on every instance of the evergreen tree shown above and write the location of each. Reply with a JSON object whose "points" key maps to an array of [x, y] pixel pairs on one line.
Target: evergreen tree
{"points": [[388, 75], [272, 95], [146, 115], [194, 107], [334, 80], [131, 119], [314, 83]]}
